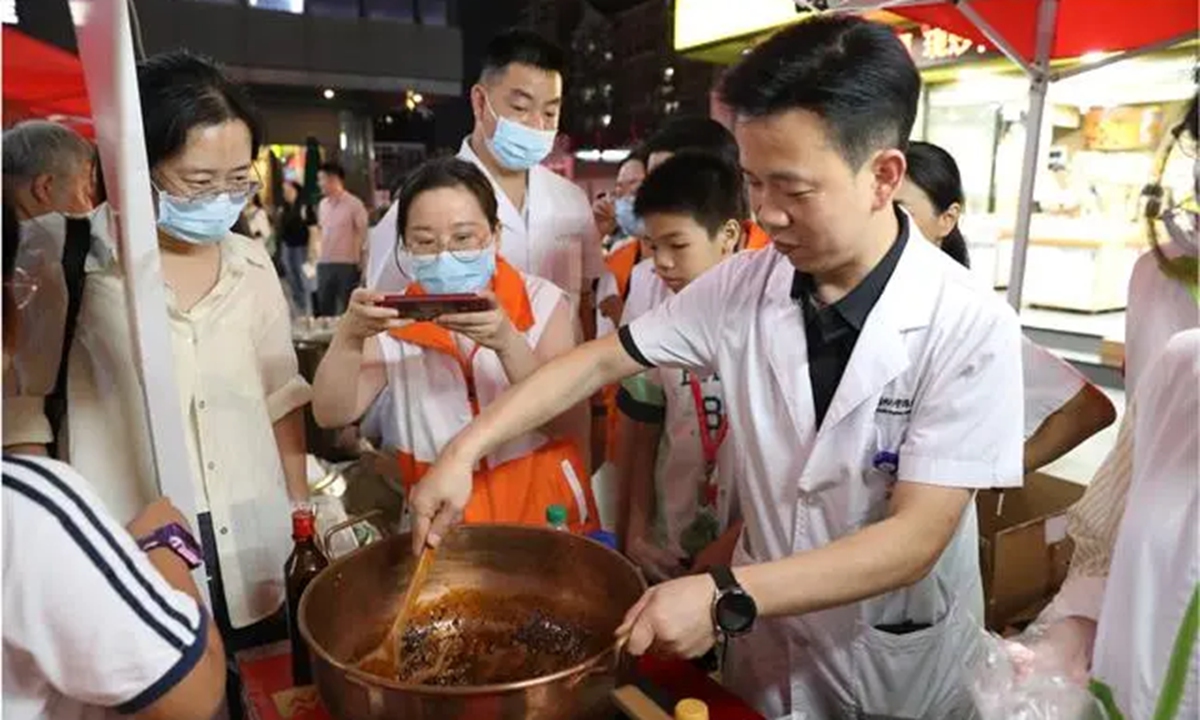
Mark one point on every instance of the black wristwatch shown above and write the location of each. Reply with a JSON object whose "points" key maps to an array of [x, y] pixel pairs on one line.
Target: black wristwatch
{"points": [[733, 610]]}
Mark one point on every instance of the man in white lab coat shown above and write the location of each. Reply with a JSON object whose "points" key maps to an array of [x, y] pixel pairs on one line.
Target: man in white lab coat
{"points": [[871, 387]]}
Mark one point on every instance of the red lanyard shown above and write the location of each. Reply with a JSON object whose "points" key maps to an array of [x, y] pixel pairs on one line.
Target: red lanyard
{"points": [[710, 441]]}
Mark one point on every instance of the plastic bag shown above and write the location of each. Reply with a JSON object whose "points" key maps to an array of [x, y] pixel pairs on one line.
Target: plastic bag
{"points": [[1012, 682]]}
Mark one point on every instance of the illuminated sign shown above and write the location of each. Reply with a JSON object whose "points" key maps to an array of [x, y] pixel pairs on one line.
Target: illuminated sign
{"points": [[701, 22], [934, 46], [8, 12]]}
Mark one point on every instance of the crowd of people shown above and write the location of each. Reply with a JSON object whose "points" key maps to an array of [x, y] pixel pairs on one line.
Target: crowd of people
{"points": [[801, 394]]}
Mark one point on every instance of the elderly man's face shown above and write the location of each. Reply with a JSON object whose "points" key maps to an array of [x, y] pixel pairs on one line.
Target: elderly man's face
{"points": [[70, 193]]}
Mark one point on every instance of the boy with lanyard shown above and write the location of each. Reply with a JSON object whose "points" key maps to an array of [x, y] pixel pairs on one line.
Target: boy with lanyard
{"points": [[693, 210]]}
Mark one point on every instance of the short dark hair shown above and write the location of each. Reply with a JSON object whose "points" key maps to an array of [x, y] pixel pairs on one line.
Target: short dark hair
{"points": [[181, 91], [517, 45], [854, 74], [637, 154], [697, 184], [694, 133], [933, 170], [446, 172], [11, 238], [332, 168]]}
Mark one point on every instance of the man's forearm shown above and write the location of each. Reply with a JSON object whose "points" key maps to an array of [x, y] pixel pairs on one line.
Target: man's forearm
{"points": [[564, 382], [884, 556], [289, 436]]}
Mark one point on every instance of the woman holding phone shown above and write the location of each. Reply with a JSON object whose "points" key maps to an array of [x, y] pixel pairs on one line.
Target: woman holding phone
{"points": [[432, 377]]}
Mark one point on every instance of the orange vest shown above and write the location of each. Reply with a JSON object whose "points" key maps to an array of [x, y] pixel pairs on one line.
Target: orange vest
{"points": [[756, 237], [620, 263], [437, 389]]}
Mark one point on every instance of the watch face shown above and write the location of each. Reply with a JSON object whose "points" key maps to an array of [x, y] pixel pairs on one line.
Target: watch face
{"points": [[736, 612]]}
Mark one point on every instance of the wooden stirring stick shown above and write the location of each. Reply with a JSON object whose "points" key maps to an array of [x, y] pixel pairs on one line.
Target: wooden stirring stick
{"points": [[385, 659]]}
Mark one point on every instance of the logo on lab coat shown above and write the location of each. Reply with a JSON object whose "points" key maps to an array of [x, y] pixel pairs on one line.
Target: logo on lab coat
{"points": [[894, 406]]}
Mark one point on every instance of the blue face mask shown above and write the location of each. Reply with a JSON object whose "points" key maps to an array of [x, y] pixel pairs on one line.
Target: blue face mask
{"points": [[463, 271], [201, 222], [518, 147], [627, 220]]}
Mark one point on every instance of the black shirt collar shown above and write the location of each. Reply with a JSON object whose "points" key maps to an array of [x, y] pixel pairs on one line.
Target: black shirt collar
{"points": [[854, 308]]}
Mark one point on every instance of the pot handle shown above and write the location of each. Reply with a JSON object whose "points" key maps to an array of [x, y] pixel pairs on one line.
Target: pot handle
{"points": [[351, 522], [599, 666]]}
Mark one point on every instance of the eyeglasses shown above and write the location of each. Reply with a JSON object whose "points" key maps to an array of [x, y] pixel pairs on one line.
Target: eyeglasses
{"points": [[23, 287], [462, 246], [238, 192]]}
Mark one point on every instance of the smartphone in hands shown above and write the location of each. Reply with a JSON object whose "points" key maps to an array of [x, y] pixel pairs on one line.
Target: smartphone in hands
{"points": [[428, 307]]}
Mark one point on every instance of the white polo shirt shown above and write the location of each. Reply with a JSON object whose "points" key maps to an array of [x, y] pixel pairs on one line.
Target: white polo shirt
{"points": [[91, 630]]}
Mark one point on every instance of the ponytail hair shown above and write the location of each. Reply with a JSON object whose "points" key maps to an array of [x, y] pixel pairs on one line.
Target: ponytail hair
{"points": [[934, 171]]}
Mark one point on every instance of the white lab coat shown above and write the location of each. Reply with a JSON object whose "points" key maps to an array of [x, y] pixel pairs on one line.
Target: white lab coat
{"points": [[1156, 562], [936, 378]]}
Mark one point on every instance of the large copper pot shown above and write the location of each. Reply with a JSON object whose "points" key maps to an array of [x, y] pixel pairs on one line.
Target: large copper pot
{"points": [[347, 608]]}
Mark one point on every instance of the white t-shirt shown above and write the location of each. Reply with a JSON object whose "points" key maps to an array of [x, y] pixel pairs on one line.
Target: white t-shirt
{"points": [[646, 291], [91, 630], [1158, 308]]}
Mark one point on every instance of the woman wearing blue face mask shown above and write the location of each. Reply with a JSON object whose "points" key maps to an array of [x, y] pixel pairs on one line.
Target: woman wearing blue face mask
{"points": [[240, 391], [433, 377]]}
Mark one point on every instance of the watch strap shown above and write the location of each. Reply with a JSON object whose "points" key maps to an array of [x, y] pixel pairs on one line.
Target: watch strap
{"points": [[724, 578]]}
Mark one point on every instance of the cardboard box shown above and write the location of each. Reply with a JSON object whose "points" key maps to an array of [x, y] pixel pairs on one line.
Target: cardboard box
{"points": [[1024, 550]]}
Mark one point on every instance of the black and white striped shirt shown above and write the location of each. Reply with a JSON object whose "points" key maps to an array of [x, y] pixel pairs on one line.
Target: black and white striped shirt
{"points": [[91, 630]]}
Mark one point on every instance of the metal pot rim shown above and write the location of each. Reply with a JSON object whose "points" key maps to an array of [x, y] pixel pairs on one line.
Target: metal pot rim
{"points": [[589, 664]]}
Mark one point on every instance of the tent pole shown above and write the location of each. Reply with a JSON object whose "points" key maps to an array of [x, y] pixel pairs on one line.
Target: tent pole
{"points": [[106, 52], [1039, 84]]}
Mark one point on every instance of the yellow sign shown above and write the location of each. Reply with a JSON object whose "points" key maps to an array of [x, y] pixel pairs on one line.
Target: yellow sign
{"points": [[700, 22]]}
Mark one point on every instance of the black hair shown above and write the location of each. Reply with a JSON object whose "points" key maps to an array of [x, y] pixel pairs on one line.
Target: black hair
{"points": [[933, 170], [332, 168], [446, 172], [638, 153], [521, 46], [697, 184], [181, 91], [12, 238], [298, 188], [694, 133], [854, 74]]}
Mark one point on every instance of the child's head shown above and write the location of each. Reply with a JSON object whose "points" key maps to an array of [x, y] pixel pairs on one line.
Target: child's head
{"points": [[693, 207], [690, 133]]}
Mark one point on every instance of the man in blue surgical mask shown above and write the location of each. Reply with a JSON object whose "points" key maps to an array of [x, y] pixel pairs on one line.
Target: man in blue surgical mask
{"points": [[548, 229]]}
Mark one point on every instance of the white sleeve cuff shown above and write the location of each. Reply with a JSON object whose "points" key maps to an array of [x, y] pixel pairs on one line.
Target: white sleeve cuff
{"points": [[294, 394], [950, 472]]}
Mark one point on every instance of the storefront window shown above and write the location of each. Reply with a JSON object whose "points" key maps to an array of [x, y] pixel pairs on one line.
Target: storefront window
{"points": [[292, 6], [403, 10], [334, 8]]}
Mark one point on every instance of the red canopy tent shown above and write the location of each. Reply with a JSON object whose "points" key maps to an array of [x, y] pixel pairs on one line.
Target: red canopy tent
{"points": [[43, 81], [1034, 33]]}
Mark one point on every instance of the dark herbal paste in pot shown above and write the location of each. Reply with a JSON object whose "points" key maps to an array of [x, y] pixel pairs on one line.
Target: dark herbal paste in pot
{"points": [[470, 637]]}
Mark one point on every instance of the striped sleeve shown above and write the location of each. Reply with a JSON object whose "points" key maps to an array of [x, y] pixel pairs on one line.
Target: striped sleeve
{"points": [[82, 601], [1093, 523]]}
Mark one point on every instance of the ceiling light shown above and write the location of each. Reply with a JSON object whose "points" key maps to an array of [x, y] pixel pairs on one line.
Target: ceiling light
{"points": [[329, 93]]}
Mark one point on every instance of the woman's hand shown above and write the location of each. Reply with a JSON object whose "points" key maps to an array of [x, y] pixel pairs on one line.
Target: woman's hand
{"points": [[492, 328], [365, 318]]}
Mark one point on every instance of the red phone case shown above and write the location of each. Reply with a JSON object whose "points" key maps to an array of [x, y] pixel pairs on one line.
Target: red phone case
{"points": [[428, 307]]}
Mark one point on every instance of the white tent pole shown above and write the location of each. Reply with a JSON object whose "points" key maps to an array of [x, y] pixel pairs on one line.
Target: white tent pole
{"points": [[106, 51], [996, 38], [1039, 84]]}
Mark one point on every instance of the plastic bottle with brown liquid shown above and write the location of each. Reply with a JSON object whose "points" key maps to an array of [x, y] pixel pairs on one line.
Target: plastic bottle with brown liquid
{"points": [[304, 564]]}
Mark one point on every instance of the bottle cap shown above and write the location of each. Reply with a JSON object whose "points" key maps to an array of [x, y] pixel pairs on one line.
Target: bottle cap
{"points": [[691, 709], [304, 524], [556, 515]]}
